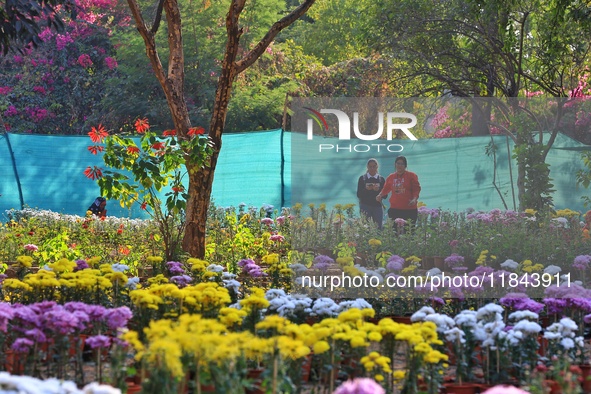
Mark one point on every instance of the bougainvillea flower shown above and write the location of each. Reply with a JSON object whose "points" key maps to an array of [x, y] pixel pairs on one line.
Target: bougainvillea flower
{"points": [[178, 189], [144, 205], [142, 125], [94, 149], [98, 134], [93, 172], [196, 131]]}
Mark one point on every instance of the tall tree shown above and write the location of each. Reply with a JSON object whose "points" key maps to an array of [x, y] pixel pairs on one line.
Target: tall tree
{"points": [[235, 60], [497, 48]]}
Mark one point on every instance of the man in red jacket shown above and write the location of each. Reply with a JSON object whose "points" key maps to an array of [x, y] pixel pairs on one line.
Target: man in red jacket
{"points": [[405, 188]]}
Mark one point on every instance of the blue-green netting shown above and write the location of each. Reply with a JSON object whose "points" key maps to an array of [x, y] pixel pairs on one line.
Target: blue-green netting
{"points": [[49, 170], [277, 168], [455, 173]]}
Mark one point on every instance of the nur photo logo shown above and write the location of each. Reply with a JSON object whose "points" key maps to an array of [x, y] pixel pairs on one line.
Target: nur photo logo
{"points": [[347, 129]]}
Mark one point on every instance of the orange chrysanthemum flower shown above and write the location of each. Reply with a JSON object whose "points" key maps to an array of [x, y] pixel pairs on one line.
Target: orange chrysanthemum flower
{"points": [[97, 135], [142, 125]]}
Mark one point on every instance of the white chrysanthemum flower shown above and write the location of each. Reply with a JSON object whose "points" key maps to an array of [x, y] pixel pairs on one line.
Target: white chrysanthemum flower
{"points": [[434, 272], [215, 268], [274, 293], [568, 324], [552, 269], [527, 327], [488, 311], [421, 314], [455, 334], [466, 318], [523, 315], [510, 264], [119, 267], [567, 343], [443, 322]]}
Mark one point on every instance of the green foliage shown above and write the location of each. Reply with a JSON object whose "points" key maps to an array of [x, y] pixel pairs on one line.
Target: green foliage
{"points": [[138, 174], [584, 176], [537, 182], [337, 28]]}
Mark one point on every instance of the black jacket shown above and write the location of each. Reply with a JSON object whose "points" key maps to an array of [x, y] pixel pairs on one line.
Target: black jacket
{"points": [[368, 197]]}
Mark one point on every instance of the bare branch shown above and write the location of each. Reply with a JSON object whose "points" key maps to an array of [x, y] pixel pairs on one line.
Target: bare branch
{"points": [[158, 17]]}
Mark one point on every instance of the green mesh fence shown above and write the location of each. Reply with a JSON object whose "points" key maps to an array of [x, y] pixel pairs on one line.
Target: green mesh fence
{"points": [[269, 167], [46, 172], [455, 173]]}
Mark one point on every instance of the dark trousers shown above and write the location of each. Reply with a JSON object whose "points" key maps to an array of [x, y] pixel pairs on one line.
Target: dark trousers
{"points": [[406, 214], [373, 212]]}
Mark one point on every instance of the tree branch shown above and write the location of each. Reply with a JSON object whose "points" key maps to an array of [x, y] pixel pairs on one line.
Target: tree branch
{"points": [[281, 24], [158, 17], [148, 40]]}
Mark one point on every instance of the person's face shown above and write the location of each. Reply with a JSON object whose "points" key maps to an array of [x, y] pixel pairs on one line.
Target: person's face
{"points": [[103, 204], [372, 168], [400, 167]]}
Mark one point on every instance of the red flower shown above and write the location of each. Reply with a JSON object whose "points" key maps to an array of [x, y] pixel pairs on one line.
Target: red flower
{"points": [[31, 233], [196, 131], [119, 231], [178, 189], [133, 150], [98, 134], [94, 149], [169, 133], [144, 205], [124, 250], [158, 146], [93, 172], [142, 125]]}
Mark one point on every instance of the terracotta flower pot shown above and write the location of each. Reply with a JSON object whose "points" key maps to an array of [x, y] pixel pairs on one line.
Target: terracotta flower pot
{"points": [[307, 368], [255, 376], [586, 377], [133, 388], [14, 362]]}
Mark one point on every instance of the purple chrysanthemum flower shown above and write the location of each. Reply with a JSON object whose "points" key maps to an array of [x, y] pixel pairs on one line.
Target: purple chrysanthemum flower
{"points": [[175, 268], [117, 317], [181, 280], [22, 345], [582, 262], [6, 315], [81, 265], [36, 335], [455, 260], [97, 341], [395, 263], [554, 305]]}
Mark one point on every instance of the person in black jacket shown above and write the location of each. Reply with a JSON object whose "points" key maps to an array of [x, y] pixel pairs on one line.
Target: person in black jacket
{"points": [[368, 187], [98, 207]]}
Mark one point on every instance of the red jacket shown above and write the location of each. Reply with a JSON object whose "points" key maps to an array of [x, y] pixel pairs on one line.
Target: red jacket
{"points": [[404, 188]]}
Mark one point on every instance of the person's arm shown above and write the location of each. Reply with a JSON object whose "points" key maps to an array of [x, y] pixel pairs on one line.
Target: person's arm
{"points": [[360, 187], [415, 189], [386, 189]]}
